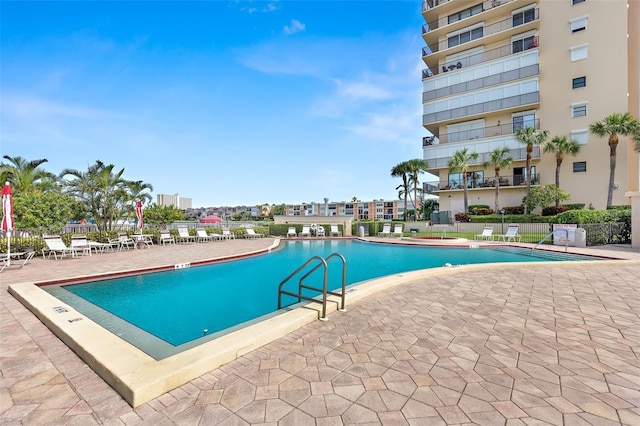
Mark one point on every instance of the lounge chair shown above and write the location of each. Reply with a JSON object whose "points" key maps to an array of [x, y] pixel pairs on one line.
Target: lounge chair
{"points": [[335, 232], [145, 239], [228, 235], [19, 264], [81, 244], [487, 234], [56, 246], [203, 236], [184, 237], [397, 230], [124, 241], [292, 232], [166, 238], [386, 230], [511, 234], [253, 234], [320, 231], [306, 231]]}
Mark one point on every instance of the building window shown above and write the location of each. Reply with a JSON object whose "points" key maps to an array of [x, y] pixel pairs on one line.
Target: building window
{"points": [[579, 52], [524, 44], [579, 166], [523, 16], [579, 82], [579, 24], [522, 121], [574, 2], [459, 16], [474, 180], [465, 36], [581, 136], [579, 110]]}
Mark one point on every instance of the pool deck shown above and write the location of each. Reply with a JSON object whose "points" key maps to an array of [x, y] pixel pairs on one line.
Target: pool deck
{"points": [[495, 345]]}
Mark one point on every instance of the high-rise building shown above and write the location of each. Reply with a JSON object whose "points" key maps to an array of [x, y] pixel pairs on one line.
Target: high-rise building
{"points": [[494, 67], [174, 200]]}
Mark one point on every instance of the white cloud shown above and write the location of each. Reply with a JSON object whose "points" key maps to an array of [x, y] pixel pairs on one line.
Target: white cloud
{"points": [[295, 27], [31, 107]]}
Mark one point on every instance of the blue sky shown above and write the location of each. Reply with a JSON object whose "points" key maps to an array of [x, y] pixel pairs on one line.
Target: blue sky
{"points": [[224, 102]]}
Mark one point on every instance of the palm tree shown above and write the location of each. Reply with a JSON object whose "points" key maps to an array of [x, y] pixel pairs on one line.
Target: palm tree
{"points": [[530, 137], [401, 170], [415, 167], [499, 158], [459, 163], [611, 126], [561, 145], [26, 176]]}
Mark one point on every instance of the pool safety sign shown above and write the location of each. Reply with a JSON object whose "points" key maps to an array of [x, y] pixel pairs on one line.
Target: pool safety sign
{"points": [[561, 238]]}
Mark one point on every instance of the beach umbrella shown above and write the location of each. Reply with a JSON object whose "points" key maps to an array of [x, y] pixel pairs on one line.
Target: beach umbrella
{"points": [[140, 214], [7, 216]]}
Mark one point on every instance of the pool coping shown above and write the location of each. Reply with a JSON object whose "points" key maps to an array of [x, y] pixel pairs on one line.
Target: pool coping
{"points": [[139, 378]]}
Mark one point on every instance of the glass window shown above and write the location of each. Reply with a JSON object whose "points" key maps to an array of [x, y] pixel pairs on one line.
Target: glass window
{"points": [[474, 180], [579, 110], [522, 121], [458, 16], [579, 166], [579, 24], [465, 36], [579, 82], [574, 2], [523, 17], [524, 44], [578, 53]]}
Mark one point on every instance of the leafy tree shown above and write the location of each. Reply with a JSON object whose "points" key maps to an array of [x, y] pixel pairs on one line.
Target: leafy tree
{"points": [[162, 215], [277, 210], [531, 137], [27, 176], [48, 211], [611, 126], [401, 170], [459, 163], [561, 145], [543, 196], [416, 167], [499, 158]]}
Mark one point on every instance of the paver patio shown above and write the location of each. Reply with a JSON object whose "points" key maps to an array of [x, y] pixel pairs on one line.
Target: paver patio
{"points": [[505, 345]]}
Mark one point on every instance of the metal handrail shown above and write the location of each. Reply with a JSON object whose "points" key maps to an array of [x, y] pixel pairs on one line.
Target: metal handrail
{"points": [[566, 242], [320, 262]]}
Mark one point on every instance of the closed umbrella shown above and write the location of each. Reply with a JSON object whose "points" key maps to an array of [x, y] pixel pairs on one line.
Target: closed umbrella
{"points": [[140, 215], [7, 216]]}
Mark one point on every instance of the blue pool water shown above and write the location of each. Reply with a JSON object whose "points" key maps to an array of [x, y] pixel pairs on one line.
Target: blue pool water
{"points": [[177, 306]]}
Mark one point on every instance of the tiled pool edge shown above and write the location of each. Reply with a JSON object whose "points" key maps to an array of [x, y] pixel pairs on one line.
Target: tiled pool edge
{"points": [[138, 378]]}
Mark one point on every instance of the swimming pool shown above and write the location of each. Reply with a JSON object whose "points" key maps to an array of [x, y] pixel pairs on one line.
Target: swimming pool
{"points": [[167, 312]]}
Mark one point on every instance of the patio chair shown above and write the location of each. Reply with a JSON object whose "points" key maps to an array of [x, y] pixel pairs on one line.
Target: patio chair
{"points": [[228, 235], [203, 236], [335, 232], [487, 234], [56, 246], [253, 234], [166, 238], [320, 231], [145, 239], [386, 230], [306, 231], [397, 230], [5, 260], [292, 232], [511, 234], [184, 237], [124, 241], [81, 244]]}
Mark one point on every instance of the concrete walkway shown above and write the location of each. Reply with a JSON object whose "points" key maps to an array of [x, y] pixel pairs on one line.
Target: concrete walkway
{"points": [[495, 346]]}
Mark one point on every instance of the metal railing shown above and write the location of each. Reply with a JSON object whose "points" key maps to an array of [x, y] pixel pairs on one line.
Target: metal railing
{"points": [[485, 182], [319, 262], [485, 132], [550, 234]]}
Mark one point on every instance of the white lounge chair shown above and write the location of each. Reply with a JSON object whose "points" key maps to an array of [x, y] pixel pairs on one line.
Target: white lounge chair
{"points": [[56, 246], [4, 257], [124, 241], [306, 231], [203, 236], [253, 234], [81, 244], [397, 230], [335, 232], [320, 231], [166, 238], [184, 237], [292, 232], [487, 234], [511, 234], [228, 235], [386, 230]]}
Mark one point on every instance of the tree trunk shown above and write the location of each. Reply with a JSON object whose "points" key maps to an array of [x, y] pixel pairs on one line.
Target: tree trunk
{"points": [[529, 151], [558, 164], [613, 145], [497, 190], [464, 187]]}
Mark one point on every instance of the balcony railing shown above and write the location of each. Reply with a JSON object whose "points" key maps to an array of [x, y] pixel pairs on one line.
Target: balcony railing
{"points": [[518, 154], [478, 58], [488, 30], [486, 183], [430, 4], [435, 24], [485, 132]]}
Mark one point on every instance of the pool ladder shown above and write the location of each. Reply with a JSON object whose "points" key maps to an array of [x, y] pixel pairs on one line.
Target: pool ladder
{"points": [[319, 262], [566, 241]]}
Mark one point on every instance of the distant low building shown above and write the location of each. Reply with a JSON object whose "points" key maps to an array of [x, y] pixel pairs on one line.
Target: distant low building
{"points": [[358, 210]]}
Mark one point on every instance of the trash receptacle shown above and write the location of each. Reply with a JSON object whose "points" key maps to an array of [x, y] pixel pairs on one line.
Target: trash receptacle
{"points": [[581, 237], [361, 231]]}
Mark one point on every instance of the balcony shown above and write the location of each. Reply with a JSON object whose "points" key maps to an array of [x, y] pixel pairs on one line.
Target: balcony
{"points": [[488, 30], [485, 132], [444, 20], [479, 58], [440, 160], [487, 183]]}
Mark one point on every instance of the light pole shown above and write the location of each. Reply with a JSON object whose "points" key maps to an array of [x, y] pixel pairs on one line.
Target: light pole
{"points": [[502, 214]]}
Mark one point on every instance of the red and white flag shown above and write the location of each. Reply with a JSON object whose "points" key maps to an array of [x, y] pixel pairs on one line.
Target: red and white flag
{"points": [[140, 214]]}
